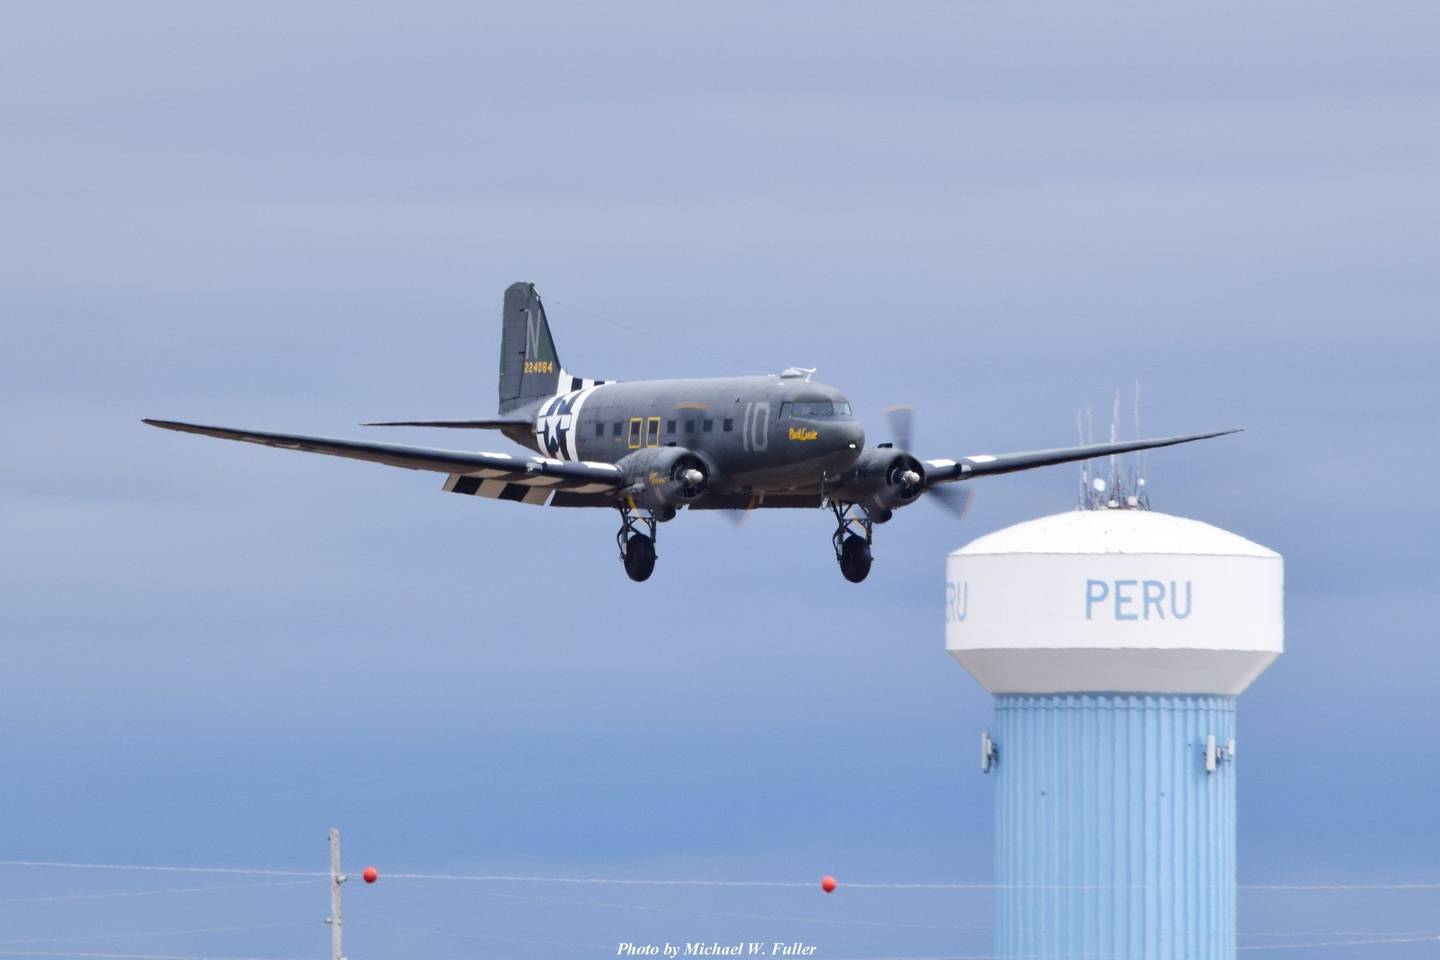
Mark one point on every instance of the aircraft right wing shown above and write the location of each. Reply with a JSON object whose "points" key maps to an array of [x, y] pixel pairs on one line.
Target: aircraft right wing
{"points": [[528, 479], [984, 464]]}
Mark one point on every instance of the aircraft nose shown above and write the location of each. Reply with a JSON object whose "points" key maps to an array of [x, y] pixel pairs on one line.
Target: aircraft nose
{"points": [[850, 434]]}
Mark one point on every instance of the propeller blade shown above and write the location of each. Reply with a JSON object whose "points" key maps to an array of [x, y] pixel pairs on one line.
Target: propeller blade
{"points": [[955, 499], [902, 425], [739, 517]]}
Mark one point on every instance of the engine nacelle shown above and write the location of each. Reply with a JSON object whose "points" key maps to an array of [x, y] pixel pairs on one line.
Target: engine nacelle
{"points": [[880, 481], [662, 478]]}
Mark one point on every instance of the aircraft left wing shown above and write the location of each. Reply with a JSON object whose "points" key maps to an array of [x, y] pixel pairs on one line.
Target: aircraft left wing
{"points": [[984, 464], [529, 479], [490, 423]]}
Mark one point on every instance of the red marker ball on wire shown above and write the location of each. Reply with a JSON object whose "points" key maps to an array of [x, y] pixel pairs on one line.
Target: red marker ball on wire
{"points": [[370, 875], [828, 884]]}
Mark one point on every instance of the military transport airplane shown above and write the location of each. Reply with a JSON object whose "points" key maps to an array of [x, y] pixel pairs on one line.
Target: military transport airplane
{"points": [[649, 448]]}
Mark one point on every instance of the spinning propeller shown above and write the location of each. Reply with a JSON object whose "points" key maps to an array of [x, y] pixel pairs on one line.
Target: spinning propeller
{"points": [[954, 499]]}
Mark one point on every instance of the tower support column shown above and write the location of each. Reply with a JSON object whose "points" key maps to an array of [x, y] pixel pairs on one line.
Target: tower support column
{"points": [[1115, 825]]}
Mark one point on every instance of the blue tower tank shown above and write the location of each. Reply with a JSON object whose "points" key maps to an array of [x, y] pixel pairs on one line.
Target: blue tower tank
{"points": [[1115, 643]]}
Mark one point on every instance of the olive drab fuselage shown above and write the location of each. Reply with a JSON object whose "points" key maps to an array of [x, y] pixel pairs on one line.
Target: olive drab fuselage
{"points": [[775, 432]]}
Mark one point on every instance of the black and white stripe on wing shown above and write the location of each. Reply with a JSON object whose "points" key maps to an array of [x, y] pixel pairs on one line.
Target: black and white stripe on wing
{"points": [[537, 489]]}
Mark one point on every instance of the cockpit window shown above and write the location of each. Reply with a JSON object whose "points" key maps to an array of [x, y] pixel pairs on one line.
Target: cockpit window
{"points": [[819, 408]]}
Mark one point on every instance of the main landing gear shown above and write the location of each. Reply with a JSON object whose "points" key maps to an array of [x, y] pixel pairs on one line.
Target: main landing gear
{"points": [[853, 530], [637, 549]]}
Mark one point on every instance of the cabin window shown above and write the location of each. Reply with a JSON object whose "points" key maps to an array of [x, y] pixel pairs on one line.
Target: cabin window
{"points": [[669, 426], [689, 426], [633, 441], [727, 424], [652, 432], [708, 425], [599, 429], [615, 429]]}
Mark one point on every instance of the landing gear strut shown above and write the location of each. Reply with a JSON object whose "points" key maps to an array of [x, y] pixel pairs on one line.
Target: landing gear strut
{"points": [[853, 530], [637, 549]]}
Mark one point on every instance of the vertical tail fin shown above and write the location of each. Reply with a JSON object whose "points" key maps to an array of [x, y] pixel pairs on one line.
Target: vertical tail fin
{"points": [[529, 366]]}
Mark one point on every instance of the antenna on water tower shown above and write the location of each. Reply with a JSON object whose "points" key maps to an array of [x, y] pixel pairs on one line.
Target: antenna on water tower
{"points": [[1125, 489], [1140, 492]]}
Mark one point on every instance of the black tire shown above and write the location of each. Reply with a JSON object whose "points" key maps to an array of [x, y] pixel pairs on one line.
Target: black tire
{"points": [[639, 557], [855, 558]]}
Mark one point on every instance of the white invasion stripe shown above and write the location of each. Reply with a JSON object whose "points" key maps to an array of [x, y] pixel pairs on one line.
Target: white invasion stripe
{"points": [[982, 458], [537, 496], [450, 482], [490, 488], [570, 449], [592, 488], [538, 481], [492, 472]]}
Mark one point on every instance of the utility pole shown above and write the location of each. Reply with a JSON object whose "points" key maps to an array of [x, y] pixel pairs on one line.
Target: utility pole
{"points": [[337, 952]]}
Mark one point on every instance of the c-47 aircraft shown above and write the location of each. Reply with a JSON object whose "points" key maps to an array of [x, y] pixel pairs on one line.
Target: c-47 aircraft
{"points": [[650, 447]]}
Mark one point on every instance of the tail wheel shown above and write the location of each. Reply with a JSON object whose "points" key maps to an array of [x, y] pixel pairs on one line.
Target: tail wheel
{"points": [[639, 557], [855, 558]]}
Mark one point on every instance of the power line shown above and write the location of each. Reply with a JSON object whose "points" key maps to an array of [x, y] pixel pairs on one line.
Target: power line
{"points": [[1132, 956], [647, 908], [135, 956], [702, 882], [1367, 938], [1431, 938], [150, 893], [708, 913], [156, 868], [1347, 933], [481, 936], [164, 933], [1340, 886], [615, 881]]}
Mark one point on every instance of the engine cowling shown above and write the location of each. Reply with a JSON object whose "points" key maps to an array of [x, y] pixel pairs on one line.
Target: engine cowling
{"points": [[881, 481], [663, 478]]}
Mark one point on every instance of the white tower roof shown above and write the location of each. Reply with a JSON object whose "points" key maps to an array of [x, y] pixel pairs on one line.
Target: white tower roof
{"points": [[1115, 601]]}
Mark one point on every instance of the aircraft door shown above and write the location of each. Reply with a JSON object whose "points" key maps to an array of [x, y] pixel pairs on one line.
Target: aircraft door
{"points": [[756, 433]]}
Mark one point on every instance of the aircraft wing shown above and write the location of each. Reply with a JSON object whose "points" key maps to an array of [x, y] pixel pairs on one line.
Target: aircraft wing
{"points": [[528, 478], [492, 423], [984, 464]]}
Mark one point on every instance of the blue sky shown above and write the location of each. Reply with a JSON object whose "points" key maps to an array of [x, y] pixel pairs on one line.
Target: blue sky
{"points": [[305, 218]]}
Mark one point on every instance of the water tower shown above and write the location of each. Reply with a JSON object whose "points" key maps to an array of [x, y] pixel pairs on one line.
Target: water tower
{"points": [[1115, 642]]}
